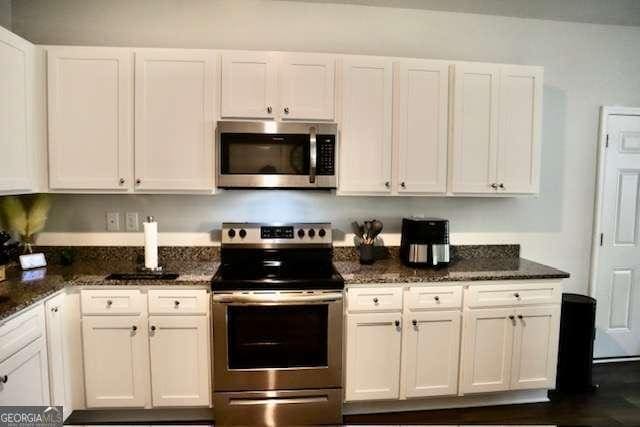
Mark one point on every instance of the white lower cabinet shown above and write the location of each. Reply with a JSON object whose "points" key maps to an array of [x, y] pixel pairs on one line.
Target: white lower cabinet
{"points": [[54, 316], [23, 377], [373, 356], [116, 361], [179, 348], [430, 351], [487, 343]]}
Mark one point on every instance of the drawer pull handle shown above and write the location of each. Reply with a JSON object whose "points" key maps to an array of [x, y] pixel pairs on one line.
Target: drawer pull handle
{"points": [[134, 328], [54, 309], [109, 303], [520, 316], [397, 323], [517, 295], [153, 328], [4, 379], [176, 303], [375, 300], [512, 317], [437, 298], [414, 322]]}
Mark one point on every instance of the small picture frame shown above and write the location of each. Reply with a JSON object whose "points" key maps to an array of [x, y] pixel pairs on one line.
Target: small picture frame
{"points": [[31, 261]]}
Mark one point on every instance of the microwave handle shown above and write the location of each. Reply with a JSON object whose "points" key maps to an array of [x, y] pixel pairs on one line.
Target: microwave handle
{"points": [[313, 154]]}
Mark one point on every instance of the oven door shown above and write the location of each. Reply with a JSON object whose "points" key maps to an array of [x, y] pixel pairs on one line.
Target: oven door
{"points": [[277, 340]]}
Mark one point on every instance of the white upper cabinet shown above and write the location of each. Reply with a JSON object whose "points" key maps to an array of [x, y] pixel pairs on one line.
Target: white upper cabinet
{"points": [[496, 129], [475, 128], [366, 140], [307, 85], [249, 85], [16, 65], [519, 134], [421, 120], [174, 119], [90, 108]]}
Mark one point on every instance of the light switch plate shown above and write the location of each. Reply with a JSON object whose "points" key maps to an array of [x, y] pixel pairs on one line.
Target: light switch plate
{"points": [[131, 221], [113, 221]]}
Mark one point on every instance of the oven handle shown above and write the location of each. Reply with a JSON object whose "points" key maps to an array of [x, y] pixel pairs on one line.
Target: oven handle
{"points": [[276, 298], [313, 153]]}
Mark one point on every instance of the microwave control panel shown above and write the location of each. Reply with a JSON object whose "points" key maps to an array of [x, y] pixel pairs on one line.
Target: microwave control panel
{"points": [[326, 154]]}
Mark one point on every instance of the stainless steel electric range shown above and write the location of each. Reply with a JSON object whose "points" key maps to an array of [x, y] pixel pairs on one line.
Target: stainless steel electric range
{"points": [[277, 326]]}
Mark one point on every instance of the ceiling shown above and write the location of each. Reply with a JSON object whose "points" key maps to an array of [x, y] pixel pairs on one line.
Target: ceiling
{"points": [[608, 12]]}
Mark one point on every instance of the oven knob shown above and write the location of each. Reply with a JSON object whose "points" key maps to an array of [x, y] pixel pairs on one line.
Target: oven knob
{"points": [[312, 233], [243, 233], [322, 233], [301, 233], [231, 233]]}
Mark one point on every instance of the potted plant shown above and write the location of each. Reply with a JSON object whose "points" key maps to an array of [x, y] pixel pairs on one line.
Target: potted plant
{"points": [[25, 219]]}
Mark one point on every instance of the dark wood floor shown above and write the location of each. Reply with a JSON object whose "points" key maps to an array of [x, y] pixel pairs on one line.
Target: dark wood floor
{"points": [[615, 403]]}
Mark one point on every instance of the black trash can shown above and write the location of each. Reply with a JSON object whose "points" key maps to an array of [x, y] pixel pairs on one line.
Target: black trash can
{"points": [[575, 354]]}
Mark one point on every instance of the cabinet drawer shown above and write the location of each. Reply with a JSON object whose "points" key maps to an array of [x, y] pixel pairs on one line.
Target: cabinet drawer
{"points": [[111, 301], [18, 332], [433, 297], [179, 301], [374, 299], [513, 294]]}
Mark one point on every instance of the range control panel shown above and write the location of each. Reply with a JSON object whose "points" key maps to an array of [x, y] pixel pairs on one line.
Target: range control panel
{"points": [[244, 233]]}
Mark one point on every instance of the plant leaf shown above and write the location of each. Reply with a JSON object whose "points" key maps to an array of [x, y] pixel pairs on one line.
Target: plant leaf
{"points": [[15, 216], [38, 214]]}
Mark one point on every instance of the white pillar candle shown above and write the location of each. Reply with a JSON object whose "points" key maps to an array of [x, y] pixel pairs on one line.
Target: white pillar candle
{"points": [[150, 243]]}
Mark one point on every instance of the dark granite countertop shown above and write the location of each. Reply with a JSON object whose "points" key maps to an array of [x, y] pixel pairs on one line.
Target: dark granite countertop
{"points": [[196, 268], [474, 269]]}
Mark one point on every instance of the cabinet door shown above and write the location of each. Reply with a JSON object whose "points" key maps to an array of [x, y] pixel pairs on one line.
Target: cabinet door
{"points": [[307, 86], [116, 361], [23, 377], [54, 316], [519, 136], [366, 140], [90, 101], [421, 115], [475, 128], [172, 341], [249, 81], [373, 356], [431, 348], [486, 350], [175, 92], [535, 348], [16, 63]]}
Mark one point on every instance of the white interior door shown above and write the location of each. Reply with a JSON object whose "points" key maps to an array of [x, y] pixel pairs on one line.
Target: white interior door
{"points": [[179, 347], [421, 116], [175, 92], [617, 286], [430, 351]]}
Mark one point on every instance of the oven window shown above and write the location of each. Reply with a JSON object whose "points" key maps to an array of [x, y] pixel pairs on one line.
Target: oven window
{"points": [[256, 154], [288, 336]]}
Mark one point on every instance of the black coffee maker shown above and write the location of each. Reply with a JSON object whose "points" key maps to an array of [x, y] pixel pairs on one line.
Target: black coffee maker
{"points": [[425, 242]]}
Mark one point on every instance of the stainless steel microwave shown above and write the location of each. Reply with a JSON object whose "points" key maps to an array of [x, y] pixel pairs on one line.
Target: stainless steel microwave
{"points": [[269, 154]]}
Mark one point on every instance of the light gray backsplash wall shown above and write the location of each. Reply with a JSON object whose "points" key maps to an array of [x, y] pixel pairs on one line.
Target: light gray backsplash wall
{"points": [[586, 66], [5, 14]]}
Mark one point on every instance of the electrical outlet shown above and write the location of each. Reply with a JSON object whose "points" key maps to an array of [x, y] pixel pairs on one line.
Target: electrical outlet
{"points": [[132, 223], [113, 221]]}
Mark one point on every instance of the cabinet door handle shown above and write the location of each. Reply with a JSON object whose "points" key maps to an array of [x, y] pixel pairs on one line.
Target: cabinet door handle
{"points": [[176, 303], [512, 317], [520, 316], [134, 328], [269, 109], [502, 186], [403, 185], [414, 322], [387, 184], [397, 323], [4, 379], [437, 298], [517, 295], [54, 309], [122, 181], [109, 303], [375, 300], [139, 181], [494, 186], [286, 110], [153, 328]]}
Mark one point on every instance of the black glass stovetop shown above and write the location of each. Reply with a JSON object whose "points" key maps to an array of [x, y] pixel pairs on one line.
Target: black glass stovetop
{"points": [[276, 269]]}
